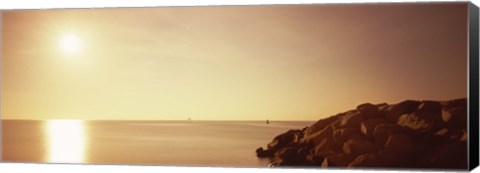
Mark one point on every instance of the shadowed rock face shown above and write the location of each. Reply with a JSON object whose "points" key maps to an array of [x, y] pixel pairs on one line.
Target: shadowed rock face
{"points": [[410, 134]]}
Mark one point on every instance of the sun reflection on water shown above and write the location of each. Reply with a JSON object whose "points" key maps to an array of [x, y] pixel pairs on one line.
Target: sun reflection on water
{"points": [[66, 141]]}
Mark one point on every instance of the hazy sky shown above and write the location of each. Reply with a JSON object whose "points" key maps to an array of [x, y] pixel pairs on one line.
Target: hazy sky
{"points": [[301, 62]]}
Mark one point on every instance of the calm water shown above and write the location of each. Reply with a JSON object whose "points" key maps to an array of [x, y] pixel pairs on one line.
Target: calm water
{"points": [[181, 143]]}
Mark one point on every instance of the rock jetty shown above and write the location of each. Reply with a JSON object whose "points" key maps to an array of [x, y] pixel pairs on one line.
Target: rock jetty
{"points": [[411, 134]]}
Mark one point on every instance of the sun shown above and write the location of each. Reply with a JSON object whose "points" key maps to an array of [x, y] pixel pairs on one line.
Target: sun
{"points": [[70, 43]]}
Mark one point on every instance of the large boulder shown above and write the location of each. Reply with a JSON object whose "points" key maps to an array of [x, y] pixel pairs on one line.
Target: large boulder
{"points": [[317, 137], [264, 153], [428, 108], [455, 117], [430, 111], [449, 135], [414, 122], [368, 111], [285, 139], [425, 119], [321, 124], [325, 146], [288, 157], [340, 136], [365, 160], [383, 107], [337, 160], [447, 156], [382, 159], [360, 146], [382, 132], [456, 103], [446, 115], [297, 154], [401, 143], [349, 120], [368, 126], [405, 107], [314, 160]]}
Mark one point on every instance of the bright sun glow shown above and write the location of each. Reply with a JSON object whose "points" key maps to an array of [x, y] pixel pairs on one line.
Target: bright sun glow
{"points": [[70, 43], [66, 141]]}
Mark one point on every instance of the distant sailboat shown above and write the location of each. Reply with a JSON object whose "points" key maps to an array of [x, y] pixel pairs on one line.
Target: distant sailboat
{"points": [[268, 122], [189, 119]]}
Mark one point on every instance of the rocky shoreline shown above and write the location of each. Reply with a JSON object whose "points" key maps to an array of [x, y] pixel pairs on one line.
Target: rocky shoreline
{"points": [[410, 134]]}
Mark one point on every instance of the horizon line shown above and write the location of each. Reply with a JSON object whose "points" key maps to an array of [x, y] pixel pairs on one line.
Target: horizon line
{"points": [[2, 119]]}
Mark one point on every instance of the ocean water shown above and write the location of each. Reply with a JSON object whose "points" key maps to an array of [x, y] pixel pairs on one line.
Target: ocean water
{"points": [[173, 143]]}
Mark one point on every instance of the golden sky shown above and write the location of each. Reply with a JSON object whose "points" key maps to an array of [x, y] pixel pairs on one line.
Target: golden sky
{"points": [[284, 62]]}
